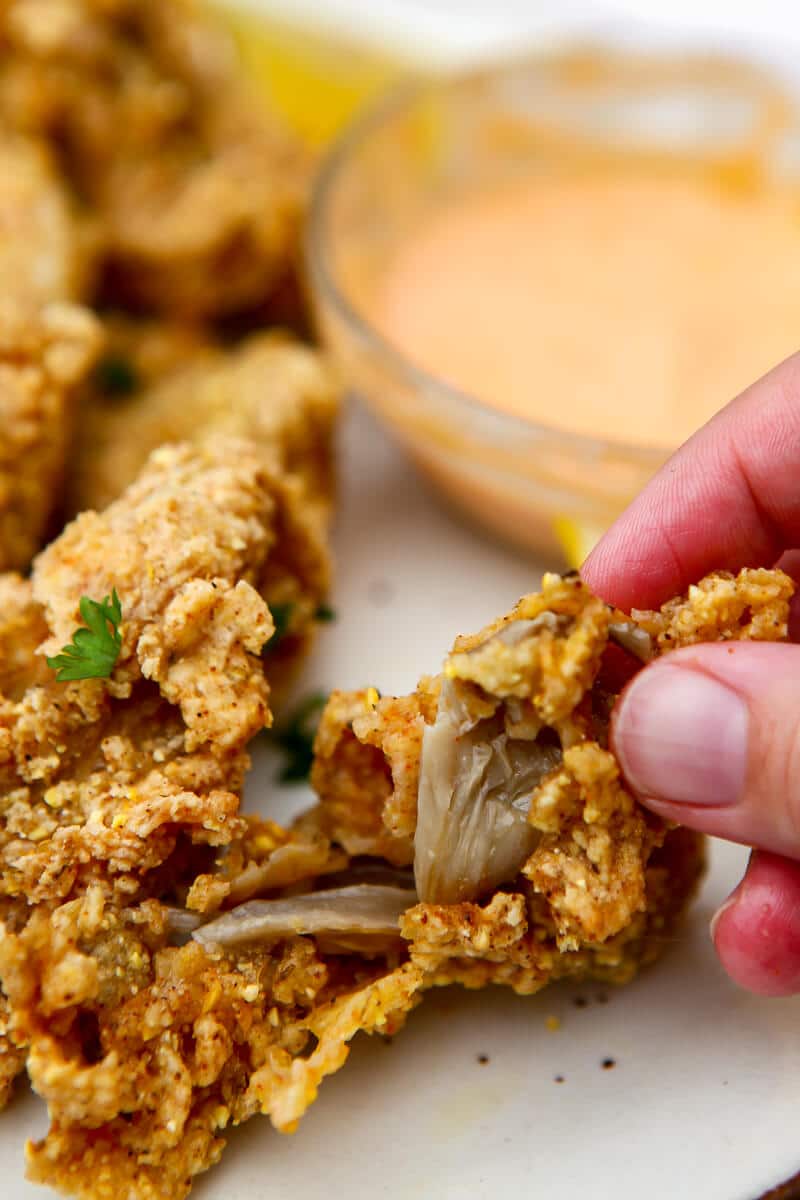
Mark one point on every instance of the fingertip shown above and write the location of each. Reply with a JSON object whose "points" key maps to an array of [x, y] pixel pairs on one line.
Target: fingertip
{"points": [[756, 932]]}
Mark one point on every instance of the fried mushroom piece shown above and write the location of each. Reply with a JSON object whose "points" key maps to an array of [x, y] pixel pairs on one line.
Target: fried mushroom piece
{"points": [[146, 1052], [127, 783], [274, 391], [102, 778], [44, 354], [197, 195], [531, 857]]}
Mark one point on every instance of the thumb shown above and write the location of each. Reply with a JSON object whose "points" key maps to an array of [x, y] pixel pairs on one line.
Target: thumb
{"points": [[710, 736]]}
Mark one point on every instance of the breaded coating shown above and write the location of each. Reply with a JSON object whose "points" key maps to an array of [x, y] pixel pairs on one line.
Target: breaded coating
{"points": [[276, 392], [146, 1052], [514, 736], [366, 769], [43, 257], [44, 354], [22, 631], [197, 195], [513, 940], [108, 782], [12, 1056], [146, 1049], [171, 1045], [751, 606], [101, 776]]}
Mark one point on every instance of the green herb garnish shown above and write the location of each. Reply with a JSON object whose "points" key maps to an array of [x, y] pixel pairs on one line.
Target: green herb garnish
{"points": [[296, 738], [94, 649], [281, 617], [116, 376]]}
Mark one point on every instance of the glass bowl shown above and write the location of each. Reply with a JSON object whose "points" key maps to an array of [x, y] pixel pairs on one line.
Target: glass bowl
{"points": [[539, 486]]}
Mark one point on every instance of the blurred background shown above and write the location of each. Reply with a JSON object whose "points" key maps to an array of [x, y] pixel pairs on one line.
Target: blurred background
{"points": [[541, 360], [294, 40]]}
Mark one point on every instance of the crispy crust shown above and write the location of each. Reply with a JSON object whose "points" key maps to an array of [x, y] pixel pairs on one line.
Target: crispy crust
{"points": [[44, 354], [280, 394], [366, 770], [750, 606], [587, 898], [146, 1051], [93, 770]]}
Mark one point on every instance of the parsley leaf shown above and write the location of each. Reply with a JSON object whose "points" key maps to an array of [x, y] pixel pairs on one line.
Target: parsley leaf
{"points": [[281, 616], [95, 646], [296, 738]]}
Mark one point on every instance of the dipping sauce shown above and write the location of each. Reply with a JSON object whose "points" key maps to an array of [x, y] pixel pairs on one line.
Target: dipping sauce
{"points": [[627, 305], [587, 254]]}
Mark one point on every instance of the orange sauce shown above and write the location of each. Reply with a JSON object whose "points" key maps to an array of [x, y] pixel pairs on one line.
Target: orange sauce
{"points": [[624, 304]]}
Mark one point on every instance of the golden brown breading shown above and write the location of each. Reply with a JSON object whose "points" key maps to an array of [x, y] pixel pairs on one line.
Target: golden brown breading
{"points": [[100, 776], [512, 939], [367, 751], [276, 392], [146, 1051], [42, 254], [582, 887], [265, 858], [22, 630], [12, 1056], [44, 354], [510, 732], [108, 782], [198, 196], [750, 606], [366, 769]]}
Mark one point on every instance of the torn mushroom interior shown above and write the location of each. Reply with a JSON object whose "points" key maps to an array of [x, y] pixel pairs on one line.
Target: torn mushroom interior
{"points": [[632, 638], [481, 761], [498, 734], [364, 918]]}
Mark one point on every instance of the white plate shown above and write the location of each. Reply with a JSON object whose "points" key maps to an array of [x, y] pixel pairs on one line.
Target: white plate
{"points": [[703, 1098]]}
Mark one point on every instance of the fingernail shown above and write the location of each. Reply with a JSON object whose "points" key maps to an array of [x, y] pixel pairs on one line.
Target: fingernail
{"points": [[681, 736]]}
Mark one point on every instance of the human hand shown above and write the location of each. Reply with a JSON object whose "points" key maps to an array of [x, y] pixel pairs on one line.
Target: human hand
{"points": [[710, 735]]}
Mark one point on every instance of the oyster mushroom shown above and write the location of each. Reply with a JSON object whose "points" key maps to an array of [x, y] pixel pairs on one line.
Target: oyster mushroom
{"points": [[477, 776], [633, 638], [363, 918]]}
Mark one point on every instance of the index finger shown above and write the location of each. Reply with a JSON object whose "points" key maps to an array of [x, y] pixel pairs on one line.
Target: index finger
{"points": [[728, 498]]}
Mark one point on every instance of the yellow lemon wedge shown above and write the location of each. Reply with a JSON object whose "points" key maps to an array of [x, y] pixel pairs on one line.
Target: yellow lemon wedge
{"points": [[576, 538], [317, 81]]}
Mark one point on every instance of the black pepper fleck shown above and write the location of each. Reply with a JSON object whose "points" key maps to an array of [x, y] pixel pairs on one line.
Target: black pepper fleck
{"points": [[483, 1059], [608, 1064]]}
